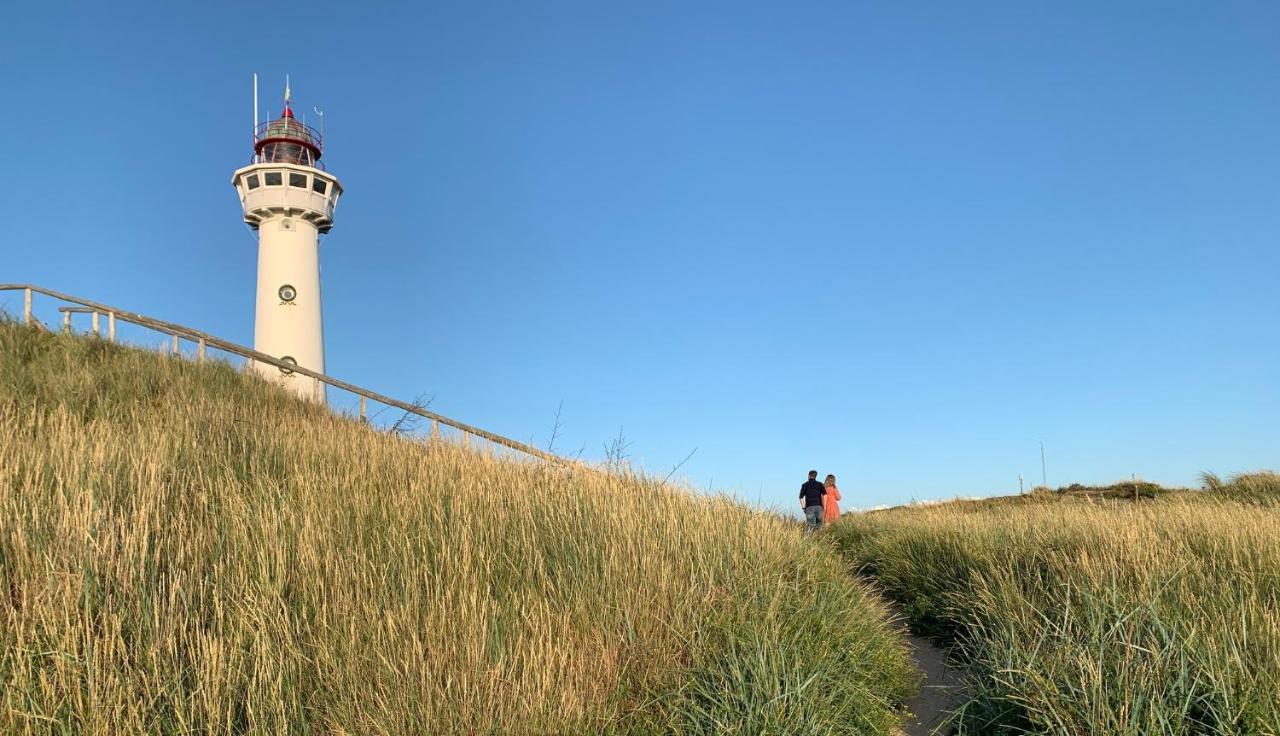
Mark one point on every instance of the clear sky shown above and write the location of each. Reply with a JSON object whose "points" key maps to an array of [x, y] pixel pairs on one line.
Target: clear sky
{"points": [[900, 242]]}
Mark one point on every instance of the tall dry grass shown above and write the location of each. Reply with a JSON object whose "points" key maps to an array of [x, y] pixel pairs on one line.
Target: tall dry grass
{"points": [[185, 549], [1138, 617]]}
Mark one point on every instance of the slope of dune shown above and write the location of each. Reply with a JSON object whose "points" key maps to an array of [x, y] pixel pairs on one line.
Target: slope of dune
{"points": [[184, 548]]}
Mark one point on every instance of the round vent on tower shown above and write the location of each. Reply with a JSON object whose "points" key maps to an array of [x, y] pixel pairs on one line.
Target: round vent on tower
{"points": [[287, 293]]}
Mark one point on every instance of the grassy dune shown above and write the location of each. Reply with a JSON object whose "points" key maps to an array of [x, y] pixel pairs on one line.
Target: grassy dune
{"points": [[1088, 616], [185, 549]]}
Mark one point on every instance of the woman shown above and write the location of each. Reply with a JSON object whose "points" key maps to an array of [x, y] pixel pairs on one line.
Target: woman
{"points": [[831, 501]]}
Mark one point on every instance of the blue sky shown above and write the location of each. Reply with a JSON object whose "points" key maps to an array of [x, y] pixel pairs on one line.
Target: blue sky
{"points": [[900, 242]]}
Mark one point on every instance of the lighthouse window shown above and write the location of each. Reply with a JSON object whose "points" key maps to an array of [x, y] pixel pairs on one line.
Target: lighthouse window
{"points": [[319, 185], [273, 178], [251, 181], [290, 360], [298, 180], [287, 293]]}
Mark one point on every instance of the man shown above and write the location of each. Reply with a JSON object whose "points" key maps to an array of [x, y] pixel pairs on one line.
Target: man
{"points": [[811, 494]]}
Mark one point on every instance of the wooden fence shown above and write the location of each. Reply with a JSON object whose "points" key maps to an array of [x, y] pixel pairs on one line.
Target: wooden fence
{"points": [[204, 342]]}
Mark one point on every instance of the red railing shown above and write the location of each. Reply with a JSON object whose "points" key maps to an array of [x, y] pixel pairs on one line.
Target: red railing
{"points": [[287, 129]]}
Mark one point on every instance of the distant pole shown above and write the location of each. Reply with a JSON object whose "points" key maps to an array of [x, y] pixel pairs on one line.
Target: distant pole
{"points": [[1044, 476], [1020, 487]]}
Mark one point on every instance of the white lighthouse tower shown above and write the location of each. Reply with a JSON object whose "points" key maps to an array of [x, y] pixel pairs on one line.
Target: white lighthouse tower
{"points": [[288, 198]]}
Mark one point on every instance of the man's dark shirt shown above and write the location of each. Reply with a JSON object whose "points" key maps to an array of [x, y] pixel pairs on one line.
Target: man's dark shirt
{"points": [[812, 492]]}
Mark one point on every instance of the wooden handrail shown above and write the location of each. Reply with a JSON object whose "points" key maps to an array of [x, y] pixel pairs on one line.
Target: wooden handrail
{"points": [[204, 339]]}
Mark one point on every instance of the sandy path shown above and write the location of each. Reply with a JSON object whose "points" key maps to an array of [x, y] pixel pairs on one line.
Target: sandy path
{"points": [[940, 693]]}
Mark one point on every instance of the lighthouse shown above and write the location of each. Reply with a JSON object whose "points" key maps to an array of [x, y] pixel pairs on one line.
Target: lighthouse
{"points": [[288, 199]]}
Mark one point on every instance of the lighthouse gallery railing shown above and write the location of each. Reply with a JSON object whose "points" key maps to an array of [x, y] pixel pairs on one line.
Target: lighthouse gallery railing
{"points": [[204, 341]]}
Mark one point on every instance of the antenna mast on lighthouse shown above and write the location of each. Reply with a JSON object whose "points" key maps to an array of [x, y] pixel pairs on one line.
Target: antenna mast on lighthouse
{"points": [[254, 133]]}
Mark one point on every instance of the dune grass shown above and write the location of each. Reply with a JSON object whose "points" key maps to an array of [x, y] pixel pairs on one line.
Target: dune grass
{"points": [[187, 549], [1159, 615]]}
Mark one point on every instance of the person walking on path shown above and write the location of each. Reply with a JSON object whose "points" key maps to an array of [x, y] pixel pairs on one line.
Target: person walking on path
{"points": [[811, 494], [831, 502]]}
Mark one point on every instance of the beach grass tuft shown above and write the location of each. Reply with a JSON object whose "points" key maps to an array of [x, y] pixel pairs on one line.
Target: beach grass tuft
{"points": [[1120, 614]]}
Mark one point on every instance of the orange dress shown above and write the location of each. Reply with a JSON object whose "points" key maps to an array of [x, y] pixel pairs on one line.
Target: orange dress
{"points": [[831, 505]]}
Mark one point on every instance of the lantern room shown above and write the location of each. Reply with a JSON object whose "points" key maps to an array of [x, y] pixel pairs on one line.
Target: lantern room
{"points": [[286, 141]]}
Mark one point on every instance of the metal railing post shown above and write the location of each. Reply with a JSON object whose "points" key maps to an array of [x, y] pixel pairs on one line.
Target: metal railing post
{"points": [[96, 333], [111, 326], [200, 350], [26, 305]]}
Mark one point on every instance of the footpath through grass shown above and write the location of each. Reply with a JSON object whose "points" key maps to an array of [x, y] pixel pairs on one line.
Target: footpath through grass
{"points": [[1078, 614], [186, 549]]}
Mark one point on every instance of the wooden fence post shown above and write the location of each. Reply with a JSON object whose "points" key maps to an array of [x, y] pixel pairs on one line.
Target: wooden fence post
{"points": [[96, 333], [111, 326], [363, 418], [200, 350], [26, 305], [176, 347], [66, 322]]}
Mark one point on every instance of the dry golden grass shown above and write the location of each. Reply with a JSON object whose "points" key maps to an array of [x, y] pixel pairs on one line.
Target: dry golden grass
{"points": [[1083, 617], [184, 549]]}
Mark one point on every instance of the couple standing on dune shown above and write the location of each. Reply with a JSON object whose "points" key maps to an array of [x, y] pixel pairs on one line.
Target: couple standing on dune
{"points": [[820, 501]]}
